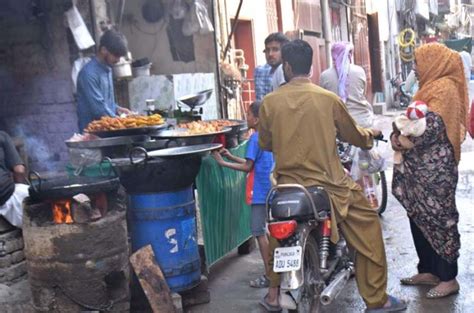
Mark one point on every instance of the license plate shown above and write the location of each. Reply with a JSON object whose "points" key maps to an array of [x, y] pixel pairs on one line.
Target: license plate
{"points": [[287, 259]]}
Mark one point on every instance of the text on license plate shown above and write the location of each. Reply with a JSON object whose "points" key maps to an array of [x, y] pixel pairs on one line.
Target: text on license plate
{"points": [[287, 259]]}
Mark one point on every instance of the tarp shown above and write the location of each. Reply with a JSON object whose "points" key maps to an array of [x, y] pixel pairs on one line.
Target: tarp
{"points": [[459, 44], [225, 217]]}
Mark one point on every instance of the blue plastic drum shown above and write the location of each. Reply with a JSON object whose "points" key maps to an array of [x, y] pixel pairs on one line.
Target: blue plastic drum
{"points": [[167, 221]]}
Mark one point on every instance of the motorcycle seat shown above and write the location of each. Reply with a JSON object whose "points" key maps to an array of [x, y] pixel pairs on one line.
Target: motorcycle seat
{"points": [[293, 203]]}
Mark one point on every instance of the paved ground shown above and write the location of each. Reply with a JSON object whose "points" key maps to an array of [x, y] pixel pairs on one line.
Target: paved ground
{"points": [[229, 278]]}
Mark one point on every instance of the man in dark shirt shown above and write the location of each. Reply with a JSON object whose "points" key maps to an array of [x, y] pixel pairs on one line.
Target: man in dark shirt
{"points": [[12, 179], [95, 87]]}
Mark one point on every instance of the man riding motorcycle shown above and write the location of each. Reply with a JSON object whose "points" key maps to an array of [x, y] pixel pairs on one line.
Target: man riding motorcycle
{"points": [[299, 123]]}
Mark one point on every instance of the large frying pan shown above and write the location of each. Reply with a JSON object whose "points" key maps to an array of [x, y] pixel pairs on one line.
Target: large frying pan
{"points": [[64, 187]]}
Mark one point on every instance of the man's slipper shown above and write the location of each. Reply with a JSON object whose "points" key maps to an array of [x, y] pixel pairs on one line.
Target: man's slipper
{"points": [[409, 281], [269, 307], [434, 294], [396, 305]]}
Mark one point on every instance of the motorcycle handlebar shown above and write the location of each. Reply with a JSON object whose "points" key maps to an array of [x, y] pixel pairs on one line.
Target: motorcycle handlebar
{"points": [[380, 138]]}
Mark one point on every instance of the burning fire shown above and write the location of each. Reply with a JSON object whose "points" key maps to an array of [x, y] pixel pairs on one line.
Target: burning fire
{"points": [[62, 212]]}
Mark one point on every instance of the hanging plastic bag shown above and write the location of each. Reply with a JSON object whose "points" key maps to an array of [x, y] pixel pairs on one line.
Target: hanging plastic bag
{"points": [[81, 158], [205, 22], [178, 10], [369, 161], [76, 68], [191, 24], [197, 20]]}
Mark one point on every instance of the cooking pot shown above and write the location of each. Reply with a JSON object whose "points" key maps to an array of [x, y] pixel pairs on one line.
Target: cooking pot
{"points": [[122, 69]]}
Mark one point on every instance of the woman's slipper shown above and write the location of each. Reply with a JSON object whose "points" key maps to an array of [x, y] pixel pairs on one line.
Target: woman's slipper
{"points": [[410, 281], [260, 282], [396, 305], [435, 294], [269, 307]]}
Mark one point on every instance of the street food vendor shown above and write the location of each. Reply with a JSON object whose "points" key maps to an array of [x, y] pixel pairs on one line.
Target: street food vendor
{"points": [[12, 181], [95, 88]]}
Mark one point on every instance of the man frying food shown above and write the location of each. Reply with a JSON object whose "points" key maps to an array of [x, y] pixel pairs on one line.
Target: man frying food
{"points": [[95, 88]]}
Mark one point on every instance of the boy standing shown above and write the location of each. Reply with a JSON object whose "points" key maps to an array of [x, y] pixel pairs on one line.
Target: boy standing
{"points": [[261, 162]]}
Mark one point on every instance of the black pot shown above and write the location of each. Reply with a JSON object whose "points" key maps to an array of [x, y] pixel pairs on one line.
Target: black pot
{"points": [[158, 175]]}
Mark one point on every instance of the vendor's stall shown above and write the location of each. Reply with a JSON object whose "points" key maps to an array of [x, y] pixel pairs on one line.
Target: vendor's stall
{"points": [[158, 165]]}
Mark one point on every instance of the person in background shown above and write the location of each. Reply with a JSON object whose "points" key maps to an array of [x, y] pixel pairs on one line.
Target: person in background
{"points": [[13, 189], [95, 87], [263, 74], [349, 82], [262, 163], [467, 63], [425, 182], [299, 123], [411, 83]]}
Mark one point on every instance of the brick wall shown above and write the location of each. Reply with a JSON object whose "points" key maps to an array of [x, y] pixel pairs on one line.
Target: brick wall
{"points": [[36, 99]]}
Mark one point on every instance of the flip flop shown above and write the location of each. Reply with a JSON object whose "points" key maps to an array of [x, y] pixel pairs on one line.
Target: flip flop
{"points": [[434, 294], [409, 281], [260, 282], [270, 308], [396, 305]]}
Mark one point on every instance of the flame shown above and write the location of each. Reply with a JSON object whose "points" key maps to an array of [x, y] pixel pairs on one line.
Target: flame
{"points": [[62, 212]]}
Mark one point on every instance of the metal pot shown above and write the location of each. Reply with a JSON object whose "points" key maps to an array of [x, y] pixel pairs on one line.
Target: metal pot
{"points": [[122, 69]]}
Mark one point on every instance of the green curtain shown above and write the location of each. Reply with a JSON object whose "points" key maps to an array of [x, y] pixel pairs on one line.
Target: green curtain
{"points": [[225, 217]]}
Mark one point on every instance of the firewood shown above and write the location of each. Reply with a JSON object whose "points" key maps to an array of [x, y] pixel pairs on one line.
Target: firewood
{"points": [[152, 280]]}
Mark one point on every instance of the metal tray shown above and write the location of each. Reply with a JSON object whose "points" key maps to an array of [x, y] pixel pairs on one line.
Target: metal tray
{"points": [[130, 131], [182, 151], [239, 124], [178, 133], [107, 142], [177, 138]]}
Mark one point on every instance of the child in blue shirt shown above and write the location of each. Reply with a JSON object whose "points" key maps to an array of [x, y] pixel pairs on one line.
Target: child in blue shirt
{"points": [[262, 163]]}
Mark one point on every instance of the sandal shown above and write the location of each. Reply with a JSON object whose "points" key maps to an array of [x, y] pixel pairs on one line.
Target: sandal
{"points": [[260, 282], [410, 281], [269, 307], [396, 305], [434, 294]]}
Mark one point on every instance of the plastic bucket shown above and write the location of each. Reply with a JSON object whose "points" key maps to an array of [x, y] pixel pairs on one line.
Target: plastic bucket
{"points": [[167, 221]]}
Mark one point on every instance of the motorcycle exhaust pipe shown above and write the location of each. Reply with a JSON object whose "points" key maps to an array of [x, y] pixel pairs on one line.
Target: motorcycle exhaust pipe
{"points": [[335, 287]]}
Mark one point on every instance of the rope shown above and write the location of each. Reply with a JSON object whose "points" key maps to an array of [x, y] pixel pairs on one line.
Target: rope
{"points": [[406, 40]]}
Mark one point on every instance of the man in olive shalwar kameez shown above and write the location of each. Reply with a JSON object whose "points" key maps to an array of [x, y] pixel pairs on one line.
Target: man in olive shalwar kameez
{"points": [[299, 123]]}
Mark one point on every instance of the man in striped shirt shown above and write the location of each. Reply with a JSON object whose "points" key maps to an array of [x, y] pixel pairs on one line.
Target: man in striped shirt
{"points": [[263, 74]]}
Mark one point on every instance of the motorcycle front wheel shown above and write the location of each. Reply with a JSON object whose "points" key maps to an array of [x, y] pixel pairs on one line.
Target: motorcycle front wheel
{"points": [[309, 301], [382, 191]]}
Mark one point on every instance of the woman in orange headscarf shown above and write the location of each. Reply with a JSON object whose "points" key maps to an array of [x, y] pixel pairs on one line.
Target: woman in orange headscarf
{"points": [[425, 181]]}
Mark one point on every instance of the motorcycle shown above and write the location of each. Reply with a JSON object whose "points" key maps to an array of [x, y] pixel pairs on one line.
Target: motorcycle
{"points": [[401, 95], [313, 270]]}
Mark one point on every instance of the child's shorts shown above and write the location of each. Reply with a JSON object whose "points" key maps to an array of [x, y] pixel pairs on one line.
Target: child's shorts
{"points": [[259, 220]]}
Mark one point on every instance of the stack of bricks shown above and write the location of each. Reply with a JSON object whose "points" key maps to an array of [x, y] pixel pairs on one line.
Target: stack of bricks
{"points": [[12, 258]]}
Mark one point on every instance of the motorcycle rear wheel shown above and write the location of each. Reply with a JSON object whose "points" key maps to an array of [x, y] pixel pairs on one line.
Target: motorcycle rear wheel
{"points": [[311, 289]]}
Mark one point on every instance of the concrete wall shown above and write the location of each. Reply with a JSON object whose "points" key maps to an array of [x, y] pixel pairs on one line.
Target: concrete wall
{"points": [[151, 40], [36, 100]]}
